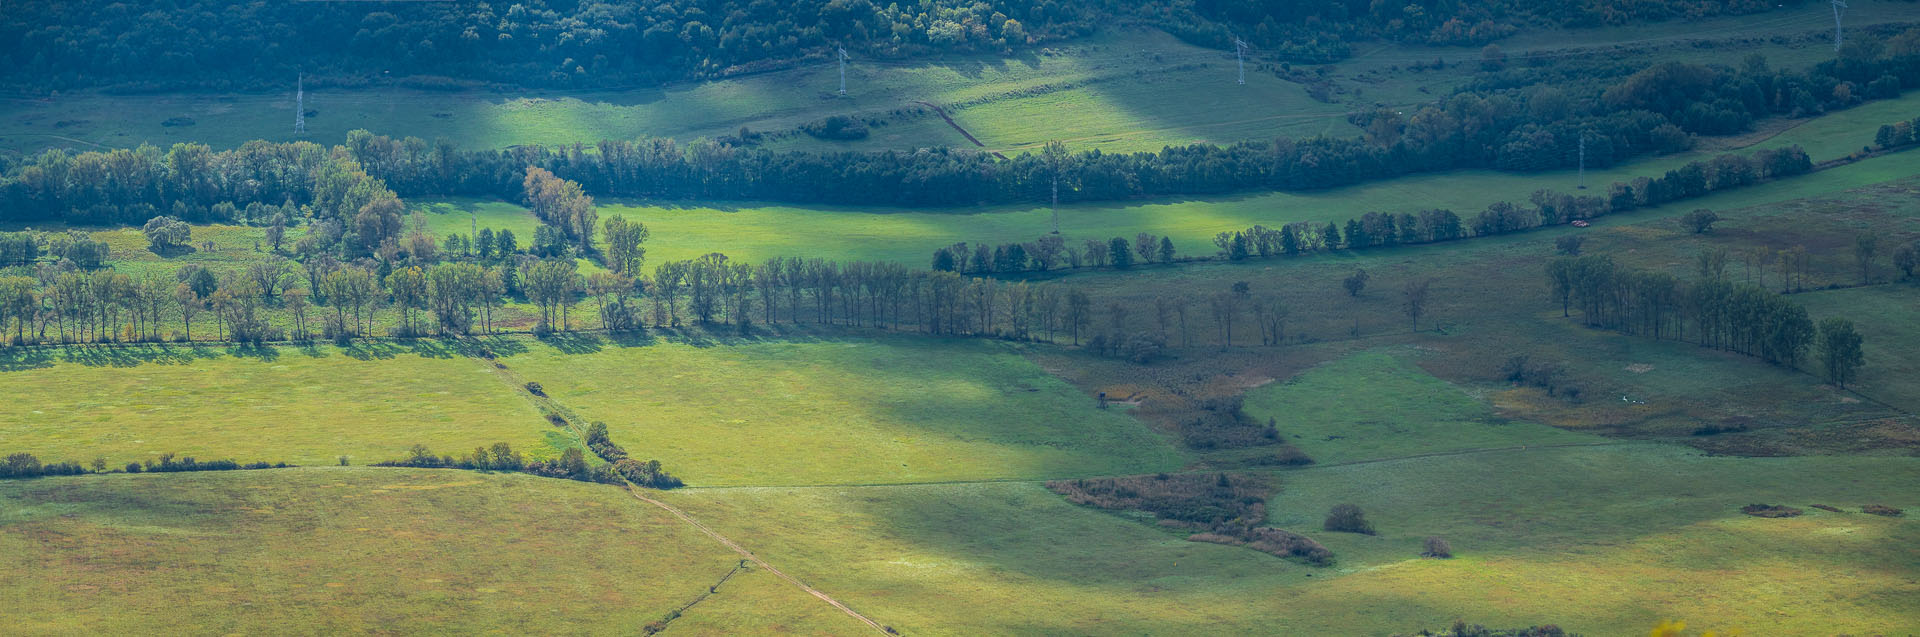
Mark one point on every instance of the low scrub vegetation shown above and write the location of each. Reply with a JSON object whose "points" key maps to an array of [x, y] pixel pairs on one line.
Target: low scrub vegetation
{"points": [[1347, 518], [646, 474], [26, 465], [1770, 511], [1882, 510], [1223, 509]]}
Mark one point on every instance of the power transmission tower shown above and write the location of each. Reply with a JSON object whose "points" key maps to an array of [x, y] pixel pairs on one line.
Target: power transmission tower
{"points": [[1240, 51], [300, 105], [1583, 160], [1839, 6], [843, 70]]}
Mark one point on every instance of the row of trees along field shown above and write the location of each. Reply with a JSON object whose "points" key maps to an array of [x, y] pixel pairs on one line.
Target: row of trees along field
{"points": [[556, 43], [1712, 311], [1655, 110], [1381, 229]]}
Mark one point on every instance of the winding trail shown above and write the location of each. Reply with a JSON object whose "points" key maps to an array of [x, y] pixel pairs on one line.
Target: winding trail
{"points": [[756, 560]]}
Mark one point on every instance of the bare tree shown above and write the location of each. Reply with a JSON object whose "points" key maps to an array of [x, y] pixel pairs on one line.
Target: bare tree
{"points": [[1416, 300]]}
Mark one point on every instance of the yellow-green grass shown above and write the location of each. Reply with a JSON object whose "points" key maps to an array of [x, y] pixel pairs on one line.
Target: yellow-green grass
{"points": [[845, 412], [345, 550], [756, 602], [1374, 405], [1884, 315], [303, 406], [1603, 540]]}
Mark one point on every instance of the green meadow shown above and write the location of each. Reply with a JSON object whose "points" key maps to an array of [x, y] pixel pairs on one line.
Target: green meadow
{"points": [[298, 405], [1373, 405], [885, 410], [1599, 541], [351, 550]]}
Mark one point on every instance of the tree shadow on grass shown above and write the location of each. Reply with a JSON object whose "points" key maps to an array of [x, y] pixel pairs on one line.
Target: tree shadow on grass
{"points": [[261, 352], [372, 350], [574, 342], [16, 359]]}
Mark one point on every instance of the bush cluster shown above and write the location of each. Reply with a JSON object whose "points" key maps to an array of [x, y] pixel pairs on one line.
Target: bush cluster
{"points": [[1223, 509], [26, 465], [646, 474]]}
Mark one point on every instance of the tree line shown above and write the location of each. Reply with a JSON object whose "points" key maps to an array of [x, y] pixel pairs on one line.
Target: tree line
{"points": [[536, 43], [543, 43], [1381, 229], [1712, 311], [26, 465]]}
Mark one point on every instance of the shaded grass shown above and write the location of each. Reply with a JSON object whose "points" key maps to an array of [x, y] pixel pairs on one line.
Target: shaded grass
{"points": [[342, 551], [280, 404], [845, 412], [1599, 541], [1885, 316], [1374, 405]]}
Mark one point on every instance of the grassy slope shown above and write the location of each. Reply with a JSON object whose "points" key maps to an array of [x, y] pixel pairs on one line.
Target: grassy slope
{"points": [[342, 551], [845, 412], [1653, 532], [301, 406], [1373, 405], [1884, 315]]}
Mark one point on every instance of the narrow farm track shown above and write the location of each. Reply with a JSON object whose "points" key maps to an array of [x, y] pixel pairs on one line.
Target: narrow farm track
{"points": [[956, 126], [756, 560]]}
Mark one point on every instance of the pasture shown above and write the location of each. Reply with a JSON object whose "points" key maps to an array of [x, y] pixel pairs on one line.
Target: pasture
{"points": [[305, 406], [349, 550], [1597, 540], [852, 411]]}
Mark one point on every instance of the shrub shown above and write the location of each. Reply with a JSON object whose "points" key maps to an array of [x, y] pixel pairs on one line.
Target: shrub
{"points": [[536, 389], [1437, 547], [1770, 511], [1699, 221], [1223, 423], [1222, 508], [1883, 510], [1347, 518], [836, 127]]}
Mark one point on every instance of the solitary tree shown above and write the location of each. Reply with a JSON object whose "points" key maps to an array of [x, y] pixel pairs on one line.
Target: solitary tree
{"points": [[1416, 300], [166, 233], [1119, 252], [1865, 248], [1347, 518], [1840, 350], [1569, 245], [1907, 258], [1699, 221], [1356, 282]]}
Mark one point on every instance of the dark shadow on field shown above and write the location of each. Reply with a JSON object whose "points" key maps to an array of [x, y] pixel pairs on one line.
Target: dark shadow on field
{"points": [[15, 359], [372, 350], [260, 352], [573, 342]]}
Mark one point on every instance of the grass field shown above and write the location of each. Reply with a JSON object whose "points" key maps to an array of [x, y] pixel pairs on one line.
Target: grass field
{"points": [[349, 550], [1596, 540], [845, 412], [1884, 316], [1374, 405], [287, 404]]}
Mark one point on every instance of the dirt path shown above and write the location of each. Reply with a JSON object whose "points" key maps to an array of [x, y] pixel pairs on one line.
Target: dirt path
{"points": [[756, 560], [956, 126]]}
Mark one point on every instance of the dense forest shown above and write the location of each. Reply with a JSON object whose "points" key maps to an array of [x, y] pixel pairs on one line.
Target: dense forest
{"points": [[176, 44]]}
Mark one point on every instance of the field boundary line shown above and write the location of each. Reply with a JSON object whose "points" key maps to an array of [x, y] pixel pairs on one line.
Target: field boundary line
{"points": [[756, 560], [956, 126]]}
